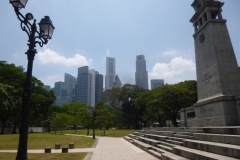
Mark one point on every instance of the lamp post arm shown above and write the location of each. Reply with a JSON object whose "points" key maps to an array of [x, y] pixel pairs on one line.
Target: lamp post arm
{"points": [[42, 40], [25, 25]]}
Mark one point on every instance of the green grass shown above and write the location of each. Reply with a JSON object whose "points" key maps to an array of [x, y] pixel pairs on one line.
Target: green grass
{"points": [[52, 156], [98, 132], [42, 140]]}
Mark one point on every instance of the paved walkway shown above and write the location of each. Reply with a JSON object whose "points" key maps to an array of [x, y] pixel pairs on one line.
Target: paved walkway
{"points": [[106, 149]]}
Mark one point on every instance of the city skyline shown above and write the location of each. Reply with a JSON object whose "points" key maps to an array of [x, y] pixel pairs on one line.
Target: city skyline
{"points": [[87, 32]]}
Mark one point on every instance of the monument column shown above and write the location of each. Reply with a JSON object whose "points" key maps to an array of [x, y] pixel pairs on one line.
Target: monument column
{"points": [[218, 78]]}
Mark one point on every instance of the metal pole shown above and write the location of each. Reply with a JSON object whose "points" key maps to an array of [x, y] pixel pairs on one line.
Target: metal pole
{"points": [[93, 124], [23, 137]]}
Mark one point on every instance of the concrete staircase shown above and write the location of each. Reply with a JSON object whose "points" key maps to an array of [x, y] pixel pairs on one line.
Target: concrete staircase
{"points": [[207, 143]]}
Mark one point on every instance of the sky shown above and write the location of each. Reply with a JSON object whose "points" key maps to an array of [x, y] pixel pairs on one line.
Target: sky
{"points": [[88, 31]]}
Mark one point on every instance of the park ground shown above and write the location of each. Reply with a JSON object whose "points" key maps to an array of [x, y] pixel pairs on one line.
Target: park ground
{"points": [[42, 140]]}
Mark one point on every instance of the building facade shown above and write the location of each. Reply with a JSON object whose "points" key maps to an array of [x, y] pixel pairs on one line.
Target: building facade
{"points": [[156, 83], [47, 87], [82, 85], [70, 81], [98, 86], [141, 74], [117, 82], [110, 72], [89, 86]]}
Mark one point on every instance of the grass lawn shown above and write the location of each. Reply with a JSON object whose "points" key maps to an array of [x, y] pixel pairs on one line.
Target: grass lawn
{"points": [[98, 132], [53, 156], [42, 140]]}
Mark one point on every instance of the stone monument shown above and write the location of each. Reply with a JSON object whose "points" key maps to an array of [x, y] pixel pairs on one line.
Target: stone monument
{"points": [[218, 78]]}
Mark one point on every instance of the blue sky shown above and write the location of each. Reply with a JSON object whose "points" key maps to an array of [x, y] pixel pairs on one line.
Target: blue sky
{"points": [[87, 31]]}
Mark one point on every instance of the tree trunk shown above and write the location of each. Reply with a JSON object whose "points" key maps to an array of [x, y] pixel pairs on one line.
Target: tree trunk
{"points": [[88, 130], [174, 122], [104, 131]]}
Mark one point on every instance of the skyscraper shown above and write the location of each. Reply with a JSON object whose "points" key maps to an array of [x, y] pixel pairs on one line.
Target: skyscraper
{"points": [[58, 87], [61, 93], [70, 81], [98, 86], [110, 72], [47, 87], [91, 87], [141, 74], [117, 82], [82, 85], [156, 83]]}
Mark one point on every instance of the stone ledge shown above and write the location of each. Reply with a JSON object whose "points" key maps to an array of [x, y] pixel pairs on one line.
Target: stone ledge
{"points": [[214, 99]]}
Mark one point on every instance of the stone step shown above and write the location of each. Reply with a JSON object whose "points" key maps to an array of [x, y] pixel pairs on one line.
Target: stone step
{"points": [[163, 133], [232, 130], [154, 153], [171, 156], [169, 149], [148, 141], [132, 135], [174, 142], [220, 138], [183, 136], [166, 144], [136, 133], [195, 131], [128, 139], [165, 155], [156, 137], [142, 145], [185, 133], [213, 147], [198, 155], [176, 139]]}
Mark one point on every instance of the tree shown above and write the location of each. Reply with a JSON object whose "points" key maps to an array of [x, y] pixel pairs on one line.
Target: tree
{"points": [[5, 103], [40, 102], [110, 97], [13, 76], [174, 97], [132, 114], [75, 120], [60, 120], [151, 112], [104, 117], [81, 111]]}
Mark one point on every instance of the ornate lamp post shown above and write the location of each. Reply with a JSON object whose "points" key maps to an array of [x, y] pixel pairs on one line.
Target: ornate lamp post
{"points": [[40, 37]]}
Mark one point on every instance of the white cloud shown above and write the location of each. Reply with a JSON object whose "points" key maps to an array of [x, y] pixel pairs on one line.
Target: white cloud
{"points": [[178, 67], [49, 56]]}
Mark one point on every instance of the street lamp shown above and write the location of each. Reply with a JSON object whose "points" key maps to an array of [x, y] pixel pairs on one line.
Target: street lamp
{"points": [[40, 37], [94, 117]]}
